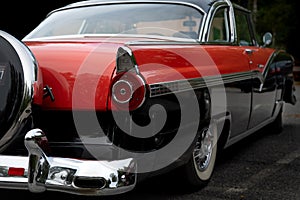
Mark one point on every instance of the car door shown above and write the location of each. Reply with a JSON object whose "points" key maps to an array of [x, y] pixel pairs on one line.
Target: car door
{"points": [[233, 64], [264, 87]]}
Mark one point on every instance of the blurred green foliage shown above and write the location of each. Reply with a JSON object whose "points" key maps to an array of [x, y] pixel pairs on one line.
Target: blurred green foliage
{"points": [[281, 18]]}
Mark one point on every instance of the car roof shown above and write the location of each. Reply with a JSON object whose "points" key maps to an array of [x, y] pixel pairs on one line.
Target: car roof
{"points": [[204, 4]]}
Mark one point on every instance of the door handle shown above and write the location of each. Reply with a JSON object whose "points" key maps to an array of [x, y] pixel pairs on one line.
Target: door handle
{"points": [[249, 51]]}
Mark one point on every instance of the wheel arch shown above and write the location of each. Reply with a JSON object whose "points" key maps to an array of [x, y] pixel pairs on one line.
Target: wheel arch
{"points": [[224, 127]]}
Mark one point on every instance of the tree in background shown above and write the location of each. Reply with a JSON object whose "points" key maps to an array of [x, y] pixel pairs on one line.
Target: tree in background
{"points": [[275, 18], [278, 17]]}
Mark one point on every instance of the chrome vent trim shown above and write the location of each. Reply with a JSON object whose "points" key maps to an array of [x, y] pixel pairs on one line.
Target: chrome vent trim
{"points": [[164, 88]]}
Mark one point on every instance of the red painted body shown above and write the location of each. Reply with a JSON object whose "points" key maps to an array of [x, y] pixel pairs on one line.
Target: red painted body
{"points": [[80, 72], [80, 68]]}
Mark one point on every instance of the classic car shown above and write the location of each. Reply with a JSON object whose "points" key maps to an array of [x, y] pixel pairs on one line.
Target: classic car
{"points": [[103, 94]]}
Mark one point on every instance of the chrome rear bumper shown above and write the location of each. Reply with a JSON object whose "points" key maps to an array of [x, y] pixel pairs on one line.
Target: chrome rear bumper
{"points": [[39, 173]]}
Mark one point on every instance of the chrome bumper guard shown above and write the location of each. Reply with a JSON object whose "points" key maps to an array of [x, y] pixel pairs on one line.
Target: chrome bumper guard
{"points": [[39, 173]]}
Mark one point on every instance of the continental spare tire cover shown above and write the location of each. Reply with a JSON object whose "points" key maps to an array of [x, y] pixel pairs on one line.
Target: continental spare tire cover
{"points": [[18, 72]]}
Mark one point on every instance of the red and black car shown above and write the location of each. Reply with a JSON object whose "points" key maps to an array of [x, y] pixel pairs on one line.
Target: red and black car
{"points": [[103, 92]]}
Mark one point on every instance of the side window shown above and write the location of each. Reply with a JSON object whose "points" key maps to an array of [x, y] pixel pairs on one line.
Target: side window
{"points": [[243, 30], [219, 29]]}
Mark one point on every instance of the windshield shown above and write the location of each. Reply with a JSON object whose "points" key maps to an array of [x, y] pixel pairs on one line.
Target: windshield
{"points": [[171, 20]]}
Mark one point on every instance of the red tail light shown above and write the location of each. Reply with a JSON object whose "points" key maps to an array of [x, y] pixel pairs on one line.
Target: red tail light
{"points": [[12, 171], [128, 91]]}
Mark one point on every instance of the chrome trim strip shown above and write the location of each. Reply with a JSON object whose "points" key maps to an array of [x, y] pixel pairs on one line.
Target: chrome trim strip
{"points": [[29, 65], [181, 42], [1, 73], [208, 20], [237, 138], [97, 36], [232, 22], [269, 62], [164, 88], [92, 3], [263, 76]]}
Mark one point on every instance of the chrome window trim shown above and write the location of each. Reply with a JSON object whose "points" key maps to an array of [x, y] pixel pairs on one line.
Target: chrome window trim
{"points": [[227, 20], [96, 36], [183, 42], [210, 16]]}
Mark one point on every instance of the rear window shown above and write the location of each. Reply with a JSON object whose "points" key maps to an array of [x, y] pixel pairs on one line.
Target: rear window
{"points": [[172, 20]]}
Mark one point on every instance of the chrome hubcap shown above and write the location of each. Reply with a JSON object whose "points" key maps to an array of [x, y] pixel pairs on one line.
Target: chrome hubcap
{"points": [[203, 150]]}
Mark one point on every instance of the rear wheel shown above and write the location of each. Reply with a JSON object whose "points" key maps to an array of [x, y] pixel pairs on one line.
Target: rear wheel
{"points": [[200, 167]]}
